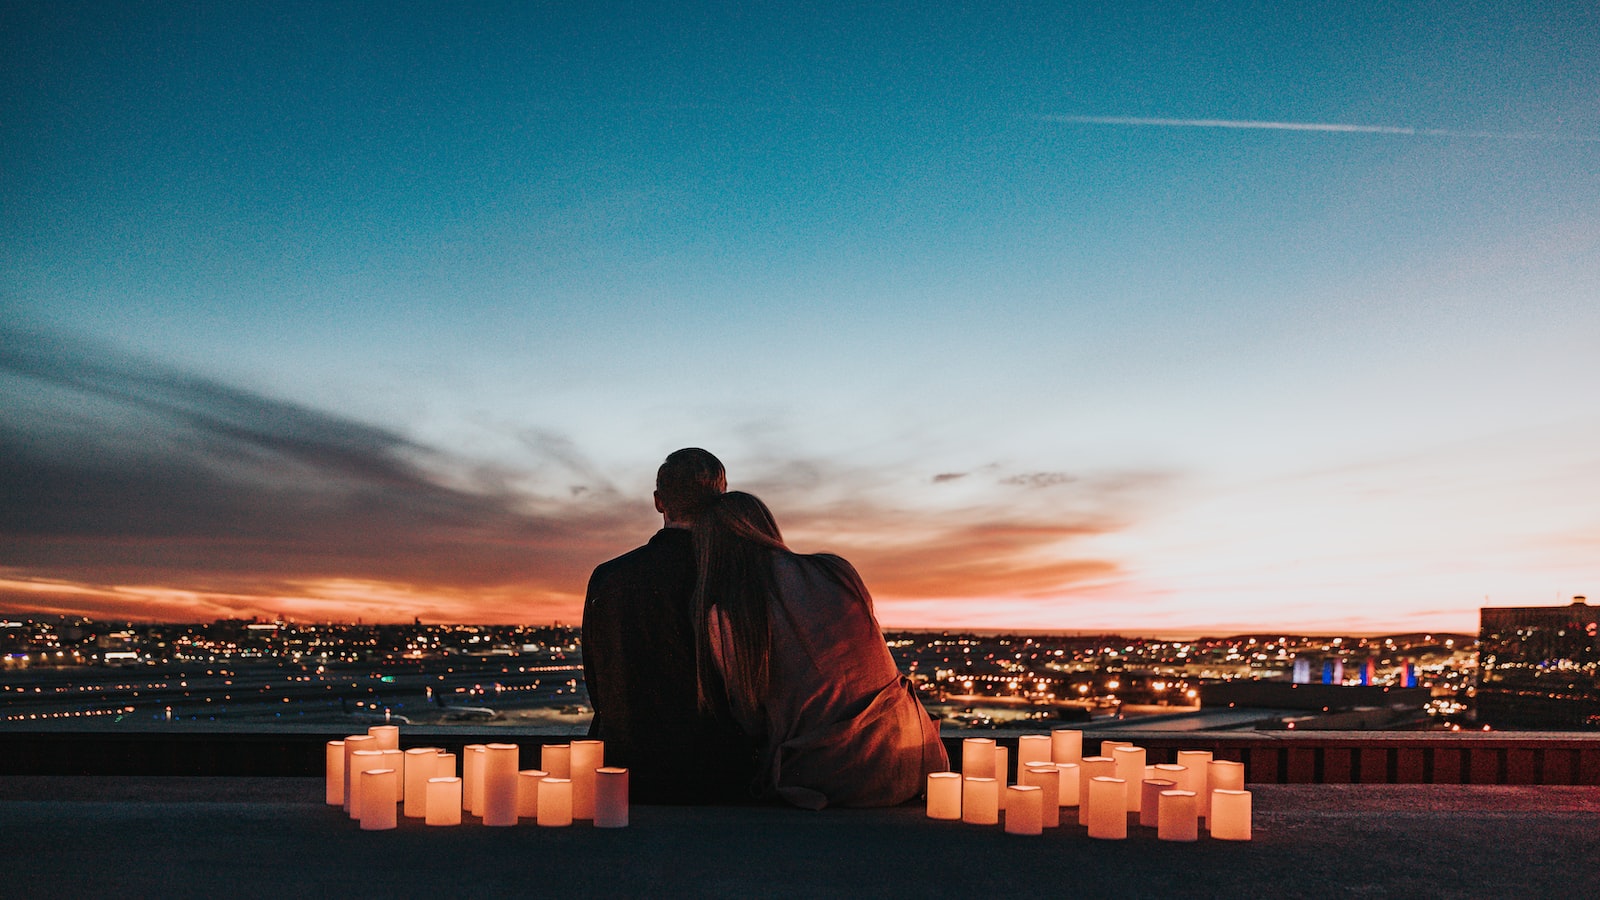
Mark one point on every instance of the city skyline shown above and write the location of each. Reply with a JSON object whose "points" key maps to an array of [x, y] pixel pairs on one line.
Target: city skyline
{"points": [[1058, 318]]}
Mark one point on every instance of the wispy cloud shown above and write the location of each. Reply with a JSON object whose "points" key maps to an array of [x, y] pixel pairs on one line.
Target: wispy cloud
{"points": [[1336, 127]]}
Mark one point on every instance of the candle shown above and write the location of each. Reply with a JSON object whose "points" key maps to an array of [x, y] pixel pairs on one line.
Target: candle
{"points": [[1196, 761], [980, 804], [388, 736], [1107, 746], [1070, 785], [1178, 812], [555, 802], [528, 792], [351, 744], [396, 760], [1108, 814], [944, 795], [1230, 815], [1089, 769], [585, 757], [333, 771], [1221, 774], [1002, 774], [472, 778], [378, 788], [1130, 768], [977, 758], [1024, 805], [361, 761], [1149, 804], [1047, 778], [444, 801], [420, 763], [556, 759], [1032, 748], [610, 797], [1173, 773], [444, 766], [1066, 745], [498, 776]]}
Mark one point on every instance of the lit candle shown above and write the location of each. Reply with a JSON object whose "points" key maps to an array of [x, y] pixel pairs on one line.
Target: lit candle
{"points": [[1230, 815], [1107, 746], [333, 771], [1070, 785], [361, 761], [499, 778], [396, 760], [944, 795], [444, 766], [1130, 768], [1108, 814], [980, 805], [977, 758], [1066, 745], [388, 736], [1032, 748], [1024, 805], [1002, 774], [1089, 769], [555, 802], [378, 788], [1149, 804], [556, 759], [1196, 762], [351, 744], [419, 768], [1179, 813], [1047, 778], [472, 778], [610, 797], [444, 801], [585, 758], [1221, 774], [528, 792]]}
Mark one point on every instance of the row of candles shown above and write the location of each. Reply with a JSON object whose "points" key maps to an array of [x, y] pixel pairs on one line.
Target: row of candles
{"points": [[376, 782], [1053, 776]]}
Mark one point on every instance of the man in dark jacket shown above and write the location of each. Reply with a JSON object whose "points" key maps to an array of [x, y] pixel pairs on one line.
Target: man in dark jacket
{"points": [[639, 657]]}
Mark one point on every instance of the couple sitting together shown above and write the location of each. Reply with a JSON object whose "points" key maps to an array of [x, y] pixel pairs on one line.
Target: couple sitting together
{"points": [[722, 666]]}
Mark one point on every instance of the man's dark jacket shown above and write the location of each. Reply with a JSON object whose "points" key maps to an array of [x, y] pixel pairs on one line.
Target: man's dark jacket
{"points": [[639, 662]]}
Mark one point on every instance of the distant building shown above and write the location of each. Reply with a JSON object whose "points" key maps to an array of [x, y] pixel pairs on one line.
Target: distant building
{"points": [[1539, 666]]}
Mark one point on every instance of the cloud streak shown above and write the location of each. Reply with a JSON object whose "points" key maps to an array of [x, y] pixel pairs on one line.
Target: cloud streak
{"points": [[1333, 127]]}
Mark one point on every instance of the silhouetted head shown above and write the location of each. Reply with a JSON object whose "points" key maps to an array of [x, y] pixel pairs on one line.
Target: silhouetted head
{"points": [[687, 483]]}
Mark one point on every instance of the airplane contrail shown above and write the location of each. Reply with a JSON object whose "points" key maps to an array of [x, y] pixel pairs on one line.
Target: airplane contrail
{"points": [[1142, 121]]}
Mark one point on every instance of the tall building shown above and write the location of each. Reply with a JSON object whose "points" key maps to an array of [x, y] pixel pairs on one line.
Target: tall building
{"points": [[1539, 666]]}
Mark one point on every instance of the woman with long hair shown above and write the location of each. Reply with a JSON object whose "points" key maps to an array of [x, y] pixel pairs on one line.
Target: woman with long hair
{"points": [[792, 642]]}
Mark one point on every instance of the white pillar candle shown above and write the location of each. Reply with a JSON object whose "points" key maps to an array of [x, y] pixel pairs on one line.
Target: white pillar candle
{"points": [[444, 765], [351, 744], [1221, 774], [396, 760], [1130, 768], [610, 797], [980, 805], [1024, 808], [1089, 769], [1032, 748], [1002, 774], [378, 787], [1066, 745], [944, 795], [556, 759], [419, 768], [1230, 815], [361, 761], [528, 792], [444, 801], [977, 758], [388, 736], [333, 772], [555, 802], [1070, 785], [1047, 778], [1196, 762], [1179, 815], [1108, 814], [472, 778], [499, 777], [1171, 772], [586, 757], [1149, 804], [1107, 746]]}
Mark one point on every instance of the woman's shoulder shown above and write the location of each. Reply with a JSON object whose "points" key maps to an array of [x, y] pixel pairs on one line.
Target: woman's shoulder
{"points": [[825, 565]]}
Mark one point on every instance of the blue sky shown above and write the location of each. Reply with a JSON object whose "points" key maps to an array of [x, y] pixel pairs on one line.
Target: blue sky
{"points": [[1029, 310]]}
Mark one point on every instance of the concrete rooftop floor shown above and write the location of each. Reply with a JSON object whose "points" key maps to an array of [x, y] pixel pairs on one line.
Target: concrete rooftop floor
{"points": [[273, 837]]}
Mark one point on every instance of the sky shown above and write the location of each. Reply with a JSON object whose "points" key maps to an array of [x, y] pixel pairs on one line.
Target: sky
{"points": [[1147, 317]]}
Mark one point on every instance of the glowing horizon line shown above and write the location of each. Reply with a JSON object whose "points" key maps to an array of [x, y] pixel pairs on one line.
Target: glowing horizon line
{"points": [[1337, 127]]}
